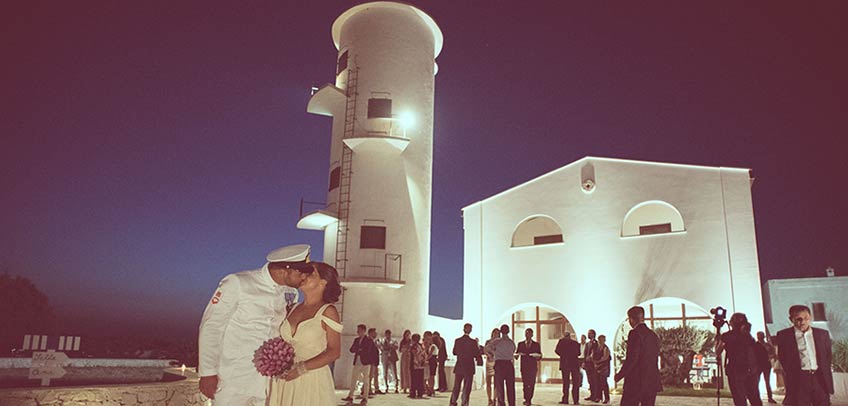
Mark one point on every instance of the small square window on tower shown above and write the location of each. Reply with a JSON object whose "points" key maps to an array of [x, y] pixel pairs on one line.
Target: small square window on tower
{"points": [[342, 64], [373, 237], [379, 108], [819, 312], [335, 177]]}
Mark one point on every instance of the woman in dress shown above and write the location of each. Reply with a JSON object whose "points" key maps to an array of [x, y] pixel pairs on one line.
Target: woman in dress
{"points": [[405, 361], [490, 363], [602, 366], [314, 330]]}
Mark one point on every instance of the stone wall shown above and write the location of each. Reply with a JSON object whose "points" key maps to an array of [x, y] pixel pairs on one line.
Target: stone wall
{"points": [[178, 393]]}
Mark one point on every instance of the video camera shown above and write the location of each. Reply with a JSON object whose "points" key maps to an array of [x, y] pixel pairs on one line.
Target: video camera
{"points": [[719, 316]]}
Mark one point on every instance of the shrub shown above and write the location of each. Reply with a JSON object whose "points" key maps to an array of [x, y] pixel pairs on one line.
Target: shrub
{"points": [[679, 345], [840, 355]]}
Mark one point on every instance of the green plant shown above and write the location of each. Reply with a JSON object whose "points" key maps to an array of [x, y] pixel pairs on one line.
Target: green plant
{"points": [[840, 355], [679, 345]]}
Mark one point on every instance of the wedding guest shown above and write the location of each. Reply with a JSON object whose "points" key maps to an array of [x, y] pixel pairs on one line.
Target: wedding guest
{"points": [[427, 343], [806, 356], [569, 364], [375, 364], [389, 357], [582, 359], [405, 361], [639, 370], [766, 364], [602, 366], [743, 373], [504, 349], [440, 359], [467, 351], [489, 352], [589, 366], [530, 352], [433, 364], [418, 359], [364, 353]]}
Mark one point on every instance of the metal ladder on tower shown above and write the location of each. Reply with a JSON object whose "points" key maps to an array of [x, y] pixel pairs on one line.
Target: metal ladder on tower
{"points": [[346, 171]]}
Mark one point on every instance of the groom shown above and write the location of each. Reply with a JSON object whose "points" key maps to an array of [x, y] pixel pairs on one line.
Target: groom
{"points": [[247, 309]]}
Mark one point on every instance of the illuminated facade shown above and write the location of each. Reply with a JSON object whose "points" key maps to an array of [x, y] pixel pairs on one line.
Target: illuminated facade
{"points": [[376, 220], [573, 249]]}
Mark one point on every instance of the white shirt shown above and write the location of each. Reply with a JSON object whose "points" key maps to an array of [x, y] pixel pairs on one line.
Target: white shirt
{"points": [[807, 349], [504, 349], [245, 311]]}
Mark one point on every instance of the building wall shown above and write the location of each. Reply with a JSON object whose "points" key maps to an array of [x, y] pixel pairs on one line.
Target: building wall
{"points": [[595, 275], [783, 293]]}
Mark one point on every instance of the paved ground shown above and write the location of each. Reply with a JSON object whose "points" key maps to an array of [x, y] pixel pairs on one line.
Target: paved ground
{"points": [[545, 395]]}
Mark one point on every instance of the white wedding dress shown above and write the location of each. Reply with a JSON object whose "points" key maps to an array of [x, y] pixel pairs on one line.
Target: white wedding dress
{"points": [[315, 387]]}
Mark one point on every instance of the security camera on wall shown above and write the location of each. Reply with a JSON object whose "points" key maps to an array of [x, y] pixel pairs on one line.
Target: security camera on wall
{"points": [[588, 185]]}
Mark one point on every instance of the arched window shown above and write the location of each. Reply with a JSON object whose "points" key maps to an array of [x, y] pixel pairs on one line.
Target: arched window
{"points": [[652, 217], [537, 230]]}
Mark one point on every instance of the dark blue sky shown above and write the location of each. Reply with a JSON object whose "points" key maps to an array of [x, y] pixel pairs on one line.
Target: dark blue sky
{"points": [[149, 148]]}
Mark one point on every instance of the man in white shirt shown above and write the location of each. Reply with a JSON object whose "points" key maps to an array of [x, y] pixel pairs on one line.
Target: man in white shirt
{"points": [[805, 354], [244, 312], [504, 350]]}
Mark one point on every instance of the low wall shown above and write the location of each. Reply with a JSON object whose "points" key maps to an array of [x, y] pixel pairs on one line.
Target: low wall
{"points": [[176, 393], [15, 371]]}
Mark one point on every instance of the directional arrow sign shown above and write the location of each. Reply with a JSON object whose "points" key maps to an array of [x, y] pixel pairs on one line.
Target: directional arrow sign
{"points": [[46, 372], [47, 365]]}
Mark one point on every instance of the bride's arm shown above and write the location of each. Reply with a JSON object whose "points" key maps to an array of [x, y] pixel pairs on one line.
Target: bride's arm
{"points": [[334, 343]]}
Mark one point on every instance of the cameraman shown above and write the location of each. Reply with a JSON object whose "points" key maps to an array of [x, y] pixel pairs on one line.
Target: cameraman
{"points": [[743, 373]]}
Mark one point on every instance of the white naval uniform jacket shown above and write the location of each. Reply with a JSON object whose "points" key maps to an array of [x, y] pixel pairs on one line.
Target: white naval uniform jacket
{"points": [[245, 311]]}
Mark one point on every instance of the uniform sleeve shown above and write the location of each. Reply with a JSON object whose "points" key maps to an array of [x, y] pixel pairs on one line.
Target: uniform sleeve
{"points": [[217, 315]]}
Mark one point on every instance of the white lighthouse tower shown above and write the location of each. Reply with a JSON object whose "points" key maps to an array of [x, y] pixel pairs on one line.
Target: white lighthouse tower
{"points": [[376, 221]]}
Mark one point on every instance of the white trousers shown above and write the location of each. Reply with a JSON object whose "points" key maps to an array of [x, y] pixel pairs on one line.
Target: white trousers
{"points": [[228, 398], [361, 373]]}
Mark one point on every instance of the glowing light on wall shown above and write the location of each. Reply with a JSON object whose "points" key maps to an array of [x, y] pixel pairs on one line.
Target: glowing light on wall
{"points": [[406, 120]]}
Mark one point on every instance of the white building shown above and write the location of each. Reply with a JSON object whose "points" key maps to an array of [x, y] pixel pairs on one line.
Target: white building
{"points": [[573, 249], [825, 296], [376, 221]]}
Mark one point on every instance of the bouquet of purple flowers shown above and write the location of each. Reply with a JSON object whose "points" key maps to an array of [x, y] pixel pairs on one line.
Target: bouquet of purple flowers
{"points": [[274, 357]]}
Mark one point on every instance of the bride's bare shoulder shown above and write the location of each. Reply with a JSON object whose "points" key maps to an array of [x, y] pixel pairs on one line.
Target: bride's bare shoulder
{"points": [[332, 313]]}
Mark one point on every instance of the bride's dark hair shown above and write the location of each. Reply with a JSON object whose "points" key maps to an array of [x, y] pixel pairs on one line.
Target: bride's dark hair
{"points": [[333, 289]]}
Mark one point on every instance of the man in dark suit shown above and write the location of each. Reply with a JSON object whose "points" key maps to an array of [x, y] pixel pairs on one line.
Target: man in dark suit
{"points": [[365, 354], [440, 359], [569, 363], [805, 354], [530, 352], [639, 369], [468, 356]]}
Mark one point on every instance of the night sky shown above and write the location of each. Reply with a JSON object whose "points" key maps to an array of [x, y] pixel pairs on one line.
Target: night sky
{"points": [[150, 148]]}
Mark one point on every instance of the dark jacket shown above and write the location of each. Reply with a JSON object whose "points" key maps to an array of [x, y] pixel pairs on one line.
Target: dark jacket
{"points": [[790, 358], [569, 354], [528, 362], [639, 369], [468, 356], [366, 350], [443, 351]]}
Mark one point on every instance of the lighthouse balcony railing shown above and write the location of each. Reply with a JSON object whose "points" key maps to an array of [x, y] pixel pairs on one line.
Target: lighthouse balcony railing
{"points": [[316, 215], [379, 139], [388, 274]]}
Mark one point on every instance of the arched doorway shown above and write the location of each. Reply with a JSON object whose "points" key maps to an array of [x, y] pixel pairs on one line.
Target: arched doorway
{"points": [[548, 325], [670, 313]]}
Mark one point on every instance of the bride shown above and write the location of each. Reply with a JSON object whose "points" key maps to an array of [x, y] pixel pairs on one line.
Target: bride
{"points": [[314, 330]]}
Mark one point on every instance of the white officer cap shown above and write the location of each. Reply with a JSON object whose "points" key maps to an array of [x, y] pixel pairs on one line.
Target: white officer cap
{"points": [[292, 253]]}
